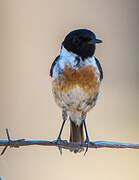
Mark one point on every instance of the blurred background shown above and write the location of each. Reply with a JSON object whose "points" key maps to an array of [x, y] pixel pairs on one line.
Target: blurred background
{"points": [[31, 33]]}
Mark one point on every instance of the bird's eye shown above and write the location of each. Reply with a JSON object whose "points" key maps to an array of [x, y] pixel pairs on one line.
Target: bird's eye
{"points": [[76, 41]]}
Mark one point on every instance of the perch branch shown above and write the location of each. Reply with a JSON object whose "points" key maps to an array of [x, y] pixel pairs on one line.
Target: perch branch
{"points": [[64, 144]]}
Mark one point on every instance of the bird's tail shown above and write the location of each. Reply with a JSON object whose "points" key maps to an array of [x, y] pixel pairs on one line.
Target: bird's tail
{"points": [[76, 134]]}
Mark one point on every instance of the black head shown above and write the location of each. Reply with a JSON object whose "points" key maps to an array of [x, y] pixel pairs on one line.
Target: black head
{"points": [[81, 42]]}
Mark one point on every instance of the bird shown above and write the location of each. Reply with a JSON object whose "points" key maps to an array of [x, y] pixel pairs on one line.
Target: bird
{"points": [[76, 76]]}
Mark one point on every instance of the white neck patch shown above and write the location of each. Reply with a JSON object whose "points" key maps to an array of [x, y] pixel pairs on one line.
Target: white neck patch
{"points": [[65, 52]]}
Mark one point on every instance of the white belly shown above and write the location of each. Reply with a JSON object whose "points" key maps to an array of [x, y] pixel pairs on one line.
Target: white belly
{"points": [[75, 100]]}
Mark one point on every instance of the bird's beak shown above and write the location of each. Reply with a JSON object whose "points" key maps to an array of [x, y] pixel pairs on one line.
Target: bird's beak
{"points": [[98, 41], [94, 41]]}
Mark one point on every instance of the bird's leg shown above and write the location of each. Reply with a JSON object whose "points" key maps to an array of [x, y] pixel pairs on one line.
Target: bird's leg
{"points": [[86, 133], [64, 116]]}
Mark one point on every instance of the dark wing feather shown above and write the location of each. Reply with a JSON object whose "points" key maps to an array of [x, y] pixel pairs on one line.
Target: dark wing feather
{"points": [[52, 66], [100, 68]]}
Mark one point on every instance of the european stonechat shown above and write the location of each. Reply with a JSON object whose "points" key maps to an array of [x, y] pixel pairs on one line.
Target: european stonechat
{"points": [[76, 77]]}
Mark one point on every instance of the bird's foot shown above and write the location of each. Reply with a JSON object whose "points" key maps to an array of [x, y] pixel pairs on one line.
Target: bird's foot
{"points": [[58, 141], [87, 142]]}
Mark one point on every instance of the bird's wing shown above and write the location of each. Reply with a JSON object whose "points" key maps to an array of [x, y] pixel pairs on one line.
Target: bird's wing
{"points": [[53, 64], [100, 68]]}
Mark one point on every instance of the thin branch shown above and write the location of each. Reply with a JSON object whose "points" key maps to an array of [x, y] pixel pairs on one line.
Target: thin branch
{"points": [[64, 144]]}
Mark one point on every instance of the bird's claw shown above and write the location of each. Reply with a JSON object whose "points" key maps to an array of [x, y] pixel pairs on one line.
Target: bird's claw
{"points": [[58, 141], [86, 142]]}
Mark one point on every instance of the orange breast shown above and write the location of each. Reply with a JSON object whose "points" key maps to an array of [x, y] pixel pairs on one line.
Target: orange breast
{"points": [[85, 77]]}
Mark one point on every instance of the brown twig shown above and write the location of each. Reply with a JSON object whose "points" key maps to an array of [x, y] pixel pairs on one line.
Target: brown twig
{"points": [[64, 144]]}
